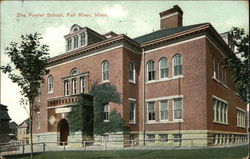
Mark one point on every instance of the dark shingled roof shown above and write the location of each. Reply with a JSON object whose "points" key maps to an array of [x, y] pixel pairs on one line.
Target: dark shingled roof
{"points": [[4, 113], [164, 32]]}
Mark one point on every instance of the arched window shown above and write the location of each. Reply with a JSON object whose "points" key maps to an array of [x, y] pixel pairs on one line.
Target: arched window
{"points": [[105, 71], [151, 70], [74, 72], [177, 64], [50, 83], [132, 72], [163, 68]]}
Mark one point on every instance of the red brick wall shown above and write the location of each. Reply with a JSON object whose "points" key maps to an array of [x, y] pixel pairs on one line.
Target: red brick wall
{"points": [[226, 93]]}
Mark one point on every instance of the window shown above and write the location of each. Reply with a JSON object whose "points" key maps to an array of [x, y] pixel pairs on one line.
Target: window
{"points": [[76, 41], [74, 72], [105, 71], [106, 113], [164, 110], [38, 120], [66, 87], [132, 116], [163, 68], [220, 111], [177, 137], [151, 111], [177, 59], [164, 137], [82, 36], [151, 70], [132, 72], [151, 137], [83, 84], [50, 83], [178, 108], [241, 118], [69, 44], [74, 83]]}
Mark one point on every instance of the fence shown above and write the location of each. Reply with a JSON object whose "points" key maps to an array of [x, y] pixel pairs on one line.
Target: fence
{"points": [[16, 148]]}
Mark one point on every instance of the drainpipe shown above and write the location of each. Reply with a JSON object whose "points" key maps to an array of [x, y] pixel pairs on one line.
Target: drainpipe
{"points": [[143, 104]]}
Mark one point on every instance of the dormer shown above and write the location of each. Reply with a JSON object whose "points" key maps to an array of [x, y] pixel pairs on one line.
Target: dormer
{"points": [[79, 37]]}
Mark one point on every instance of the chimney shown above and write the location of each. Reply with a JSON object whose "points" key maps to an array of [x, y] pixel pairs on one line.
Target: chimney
{"points": [[171, 18]]}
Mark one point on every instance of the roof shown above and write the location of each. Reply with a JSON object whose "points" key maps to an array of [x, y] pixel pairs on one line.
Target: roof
{"points": [[164, 32], [4, 113], [25, 123]]}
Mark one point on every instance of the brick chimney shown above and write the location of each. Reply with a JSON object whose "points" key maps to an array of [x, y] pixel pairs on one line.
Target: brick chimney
{"points": [[171, 18]]}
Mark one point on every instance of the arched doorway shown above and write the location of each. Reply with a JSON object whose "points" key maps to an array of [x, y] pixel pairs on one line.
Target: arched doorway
{"points": [[63, 129]]}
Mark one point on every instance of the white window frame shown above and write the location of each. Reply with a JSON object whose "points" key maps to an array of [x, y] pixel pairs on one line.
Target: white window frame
{"points": [[160, 112], [66, 87], [74, 86], [68, 44], [85, 39], [106, 71], [131, 100], [132, 72], [75, 44], [153, 71], [173, 65], [50, 84], [182, 110], [83, 81], [106, 120], [240, 117], [154, 111], [160, 68], [221, 106]]}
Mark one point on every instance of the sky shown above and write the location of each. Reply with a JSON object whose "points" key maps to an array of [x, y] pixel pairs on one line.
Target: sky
{"points": [[133, 18]]}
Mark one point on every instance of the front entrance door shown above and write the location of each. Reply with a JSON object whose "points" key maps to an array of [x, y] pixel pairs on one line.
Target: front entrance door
{"points": [[64, 131]]}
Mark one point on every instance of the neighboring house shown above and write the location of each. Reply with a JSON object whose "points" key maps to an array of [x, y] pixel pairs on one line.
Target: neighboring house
{"points": [[173, 83], [23, 135], [13, 130], [4, 124]]}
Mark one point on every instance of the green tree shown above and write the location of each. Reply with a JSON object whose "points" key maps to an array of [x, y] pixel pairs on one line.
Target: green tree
{"points": [[81, 120], [81, 116], [27, 68], [240, 64]]}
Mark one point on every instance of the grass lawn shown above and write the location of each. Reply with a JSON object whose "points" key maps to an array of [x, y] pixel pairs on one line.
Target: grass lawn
{"points": [[209, 153]]}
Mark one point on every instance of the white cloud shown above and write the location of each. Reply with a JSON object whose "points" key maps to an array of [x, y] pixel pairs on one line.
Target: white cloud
{"points": [[114, 11], [53, 37]]}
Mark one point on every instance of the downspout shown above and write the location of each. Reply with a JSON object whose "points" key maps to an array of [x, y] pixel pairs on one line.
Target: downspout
{"points": [[143, 103]]}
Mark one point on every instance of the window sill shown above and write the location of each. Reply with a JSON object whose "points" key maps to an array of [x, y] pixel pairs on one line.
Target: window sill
{"points": [[219, 82], [177, 77], [217, 122], [150, 122], [241, 127], [106, 81], [164, 79], [178, 120], [106, 121], [50, 92], [132, 122], [165, 122], [132, 82]]}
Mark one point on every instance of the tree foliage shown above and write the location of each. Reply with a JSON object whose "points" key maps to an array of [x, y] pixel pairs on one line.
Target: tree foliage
{"points": [[240, 64], [79, 117], [28, 62], [27, 68]]}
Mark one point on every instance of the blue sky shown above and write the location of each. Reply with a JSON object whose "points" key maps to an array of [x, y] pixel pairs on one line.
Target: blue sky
{"points": [[133, 18]]}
